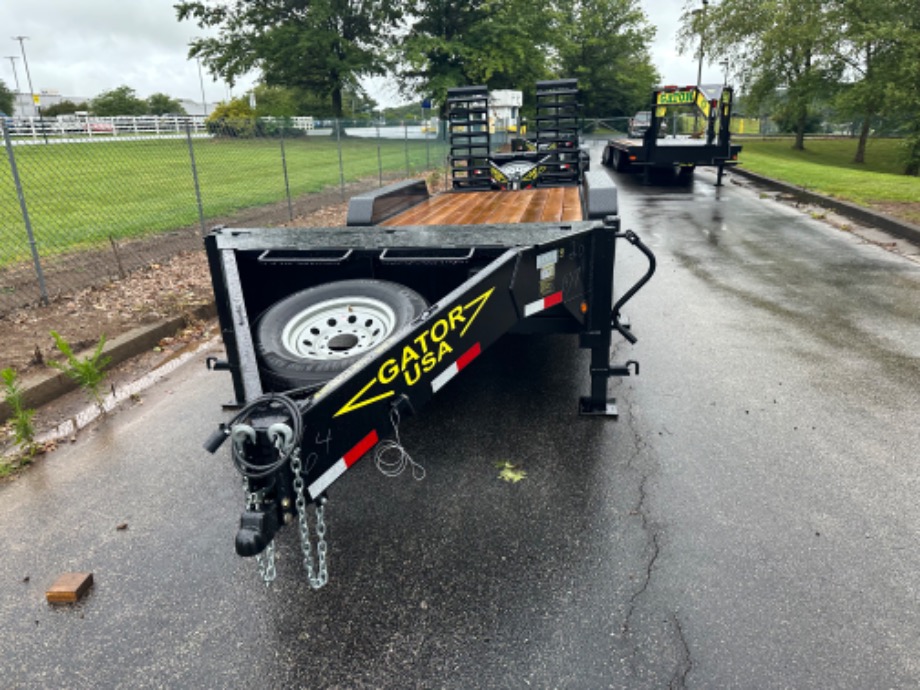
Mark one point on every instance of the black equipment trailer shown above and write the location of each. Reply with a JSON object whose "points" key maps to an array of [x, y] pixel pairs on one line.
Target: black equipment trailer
{"points": [[337, 333], [714, 148]]}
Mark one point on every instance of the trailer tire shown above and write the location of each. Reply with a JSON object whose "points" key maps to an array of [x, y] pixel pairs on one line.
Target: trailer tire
{"points": [[620, 163], [313, 335]]}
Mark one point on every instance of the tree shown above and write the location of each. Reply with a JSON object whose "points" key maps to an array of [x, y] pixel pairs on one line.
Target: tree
{"points": [[7, 99], [161, 104], [65, 107], [234, 118], [604, 44], [120, 101], [785, 46], [322, 47], [905, 89], [499, 43], [874, 44]]}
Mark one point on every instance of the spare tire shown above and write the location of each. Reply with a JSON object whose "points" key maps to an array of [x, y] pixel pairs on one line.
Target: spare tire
{"points": [[311, 336]]}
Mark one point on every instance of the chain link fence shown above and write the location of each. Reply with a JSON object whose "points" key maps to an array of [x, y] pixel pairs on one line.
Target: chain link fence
{"points": [[82, 207]]}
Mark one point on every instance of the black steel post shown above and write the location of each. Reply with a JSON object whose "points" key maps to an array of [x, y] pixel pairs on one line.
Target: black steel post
{"points": [[287, 183], [599, 328]]}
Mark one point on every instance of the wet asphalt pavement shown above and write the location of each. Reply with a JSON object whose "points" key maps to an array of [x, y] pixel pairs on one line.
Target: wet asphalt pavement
{"points": [[750, 521]]}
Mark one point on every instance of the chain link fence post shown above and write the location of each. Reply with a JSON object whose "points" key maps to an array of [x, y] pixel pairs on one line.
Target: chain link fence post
{"points": [[25, 213], [338, 141], [287, 184], [191, 154], [379, 158], [406, 142]]}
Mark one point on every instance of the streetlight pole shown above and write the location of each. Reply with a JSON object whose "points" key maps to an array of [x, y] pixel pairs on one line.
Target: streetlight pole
{"points": [[699, 14], [12, 59], [724, 64], [204, 102], [22, 47], [41, 119]]}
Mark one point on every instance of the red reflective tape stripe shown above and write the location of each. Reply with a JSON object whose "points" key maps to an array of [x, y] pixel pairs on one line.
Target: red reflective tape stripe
{"points": [[364, 445], [468, 356], [552, 300]]}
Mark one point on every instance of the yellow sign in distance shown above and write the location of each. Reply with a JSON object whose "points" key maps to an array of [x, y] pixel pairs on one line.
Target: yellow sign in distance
{"points": [[675, 98]]}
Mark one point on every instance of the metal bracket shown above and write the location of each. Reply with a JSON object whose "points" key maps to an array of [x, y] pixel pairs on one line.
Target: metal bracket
{"points": [[623, 369], [588, 408]]}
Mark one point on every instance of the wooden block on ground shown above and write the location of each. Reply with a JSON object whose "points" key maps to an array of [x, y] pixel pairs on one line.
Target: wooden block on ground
{"points": [[69, 587]]}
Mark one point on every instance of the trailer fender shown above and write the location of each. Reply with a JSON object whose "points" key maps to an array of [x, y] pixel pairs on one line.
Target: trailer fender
{"points": [[311, 336]]}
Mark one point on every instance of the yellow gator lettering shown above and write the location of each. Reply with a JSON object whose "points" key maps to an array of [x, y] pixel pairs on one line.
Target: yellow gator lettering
{"points": [[421, 355], [675, 97]]}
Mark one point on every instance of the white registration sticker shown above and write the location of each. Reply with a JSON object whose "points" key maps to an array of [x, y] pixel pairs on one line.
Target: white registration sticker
{"points": [[547, 259]]}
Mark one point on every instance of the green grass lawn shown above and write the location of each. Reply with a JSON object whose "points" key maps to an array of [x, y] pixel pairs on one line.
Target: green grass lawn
{"points": [[826, 167], [81, 194]]}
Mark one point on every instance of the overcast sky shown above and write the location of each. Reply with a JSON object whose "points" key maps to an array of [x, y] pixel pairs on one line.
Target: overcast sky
{"points": [[81, 48]]}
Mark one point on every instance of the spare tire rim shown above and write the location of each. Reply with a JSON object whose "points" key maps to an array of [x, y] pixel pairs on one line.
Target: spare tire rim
{"points": [[338, 328]]}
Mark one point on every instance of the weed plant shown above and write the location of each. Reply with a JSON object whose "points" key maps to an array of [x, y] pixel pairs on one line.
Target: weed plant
{"points": [[89, 372]]}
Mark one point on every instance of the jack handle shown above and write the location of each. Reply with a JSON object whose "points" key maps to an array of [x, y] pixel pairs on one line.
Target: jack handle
{"points": [[634, 240]]}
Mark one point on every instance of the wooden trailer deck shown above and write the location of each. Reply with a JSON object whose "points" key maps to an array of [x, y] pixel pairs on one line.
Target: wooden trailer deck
{"points": [[550, 204]]}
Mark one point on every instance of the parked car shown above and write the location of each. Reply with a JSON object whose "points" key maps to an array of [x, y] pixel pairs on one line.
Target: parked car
{"points": [[640, 122]]}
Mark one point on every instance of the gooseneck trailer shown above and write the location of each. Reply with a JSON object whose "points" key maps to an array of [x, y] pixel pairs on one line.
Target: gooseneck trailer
{"points": [[710, 147], [333, 335]]}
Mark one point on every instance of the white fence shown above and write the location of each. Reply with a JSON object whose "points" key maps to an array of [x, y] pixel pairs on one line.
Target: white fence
{"points": [[35, 128]]}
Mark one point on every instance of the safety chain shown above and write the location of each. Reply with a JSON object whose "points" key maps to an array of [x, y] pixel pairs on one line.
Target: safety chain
{"points": [[317, 578], [266, 559]]}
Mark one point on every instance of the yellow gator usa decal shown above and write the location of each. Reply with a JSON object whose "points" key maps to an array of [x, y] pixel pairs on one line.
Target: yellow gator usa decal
{"points": [[421, 355]]}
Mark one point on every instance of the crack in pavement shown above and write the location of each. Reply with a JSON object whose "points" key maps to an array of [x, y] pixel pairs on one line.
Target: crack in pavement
{"points": [[684, 662], [679, 679]]}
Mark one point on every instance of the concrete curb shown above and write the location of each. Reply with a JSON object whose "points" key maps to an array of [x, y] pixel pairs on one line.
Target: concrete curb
{"points": [[899, 228], [42, 388]]}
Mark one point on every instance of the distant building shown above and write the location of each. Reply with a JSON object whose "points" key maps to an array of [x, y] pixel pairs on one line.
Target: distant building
{"points": [[194, 107], [505, 109], [25, 106]]}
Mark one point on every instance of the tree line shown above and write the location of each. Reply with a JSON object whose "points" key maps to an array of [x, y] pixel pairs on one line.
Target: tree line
{"points": [[119, 101], [793, 56], [324, 48]]}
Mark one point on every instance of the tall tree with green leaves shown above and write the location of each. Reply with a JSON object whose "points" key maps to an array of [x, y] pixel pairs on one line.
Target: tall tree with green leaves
{"points": [[119, 101], [65, 107], [161, 104], [604, 44], [783, 46], [499, 43], [873, 45], [905, 88], [322, 47]]}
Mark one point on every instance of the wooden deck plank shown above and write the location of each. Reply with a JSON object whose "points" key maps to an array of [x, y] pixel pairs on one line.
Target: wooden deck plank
{"points": [[513, 207], [553, 209], [482, 209], [571, 206], [550, 204], [534, 212]]}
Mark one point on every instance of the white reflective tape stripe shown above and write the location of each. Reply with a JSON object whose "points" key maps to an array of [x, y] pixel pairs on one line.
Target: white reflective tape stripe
{"points": [[533, 307], [329, 476], [439, 381]]}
